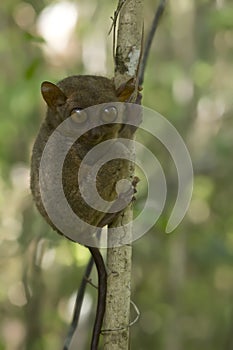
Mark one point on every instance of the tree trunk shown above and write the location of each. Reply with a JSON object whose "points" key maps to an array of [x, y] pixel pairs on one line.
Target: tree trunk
{"points": [[117, 316]]}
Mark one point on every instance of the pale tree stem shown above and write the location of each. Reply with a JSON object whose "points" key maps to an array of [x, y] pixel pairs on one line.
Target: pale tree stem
{"points": [[117, 315]]}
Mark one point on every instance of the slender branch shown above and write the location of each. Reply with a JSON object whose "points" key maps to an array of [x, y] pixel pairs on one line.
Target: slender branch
{"points": [[127, 58], [114, 24], [154, 26], [78, 304], [129, 41]]}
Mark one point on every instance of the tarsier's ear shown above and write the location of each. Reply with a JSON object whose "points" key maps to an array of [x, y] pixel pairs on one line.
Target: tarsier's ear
{"points": [[125, 90], [52, 94]]}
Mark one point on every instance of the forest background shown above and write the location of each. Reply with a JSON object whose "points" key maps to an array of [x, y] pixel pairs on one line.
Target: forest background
{"points": [[182, 282]]}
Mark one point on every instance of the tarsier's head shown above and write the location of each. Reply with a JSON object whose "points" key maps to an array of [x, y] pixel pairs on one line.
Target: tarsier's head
{"points": [[70, 98]]}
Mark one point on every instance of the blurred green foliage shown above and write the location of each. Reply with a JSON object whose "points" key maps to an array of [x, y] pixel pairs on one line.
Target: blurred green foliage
{"points": [[182, 282]]}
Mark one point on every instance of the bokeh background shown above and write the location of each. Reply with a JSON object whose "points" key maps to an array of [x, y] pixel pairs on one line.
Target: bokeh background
{"points": [[182, 282]]}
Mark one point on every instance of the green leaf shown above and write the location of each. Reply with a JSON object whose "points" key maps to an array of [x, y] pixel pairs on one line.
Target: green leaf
{"points": [[30, 37], [222, 19]]}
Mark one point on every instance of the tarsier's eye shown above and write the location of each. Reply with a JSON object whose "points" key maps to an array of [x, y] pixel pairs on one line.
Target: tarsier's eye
{"points": [[109, 114], [78, 115]]}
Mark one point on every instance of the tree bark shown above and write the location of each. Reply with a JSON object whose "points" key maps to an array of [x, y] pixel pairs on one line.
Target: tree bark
{"points": [[117, 316]]}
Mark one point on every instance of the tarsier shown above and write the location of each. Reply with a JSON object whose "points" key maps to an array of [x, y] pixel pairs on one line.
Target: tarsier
{"points": [[69, 98]]}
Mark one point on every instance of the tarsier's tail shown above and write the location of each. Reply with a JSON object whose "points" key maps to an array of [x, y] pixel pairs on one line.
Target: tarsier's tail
{"points": [[102, 289]]}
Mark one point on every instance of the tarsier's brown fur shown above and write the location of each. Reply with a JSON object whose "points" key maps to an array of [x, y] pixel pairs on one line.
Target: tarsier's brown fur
{"points": [[79, 92]]}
